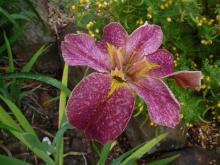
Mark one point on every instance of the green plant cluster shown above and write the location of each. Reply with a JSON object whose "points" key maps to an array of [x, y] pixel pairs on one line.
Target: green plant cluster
{"points": [[191, 32]]}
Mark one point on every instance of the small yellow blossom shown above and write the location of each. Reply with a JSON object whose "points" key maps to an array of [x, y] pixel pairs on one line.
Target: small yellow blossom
{"points": [[174, 48], [218, 104], [207, 78], [91, 33], [74, 7], [211, 56], [181, 116], [97, 30], [203, 86], [83, 1], [162, 7], [169, 19], [149, 16], [89, 25]]}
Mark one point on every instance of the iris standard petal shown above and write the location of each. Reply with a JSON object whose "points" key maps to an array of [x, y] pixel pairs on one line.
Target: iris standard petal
{"points": [[100, 116], [187, 79], [80, 49], [144, 40], [163, 108], [115, 34], [164, 59]]}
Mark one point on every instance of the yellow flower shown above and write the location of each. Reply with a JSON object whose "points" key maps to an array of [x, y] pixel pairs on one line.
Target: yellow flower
{"points": [[97, 30], [207, 78], [218, 104], [211, 56], [203, 86], [149, 16], [83, 1], [74, 7], [181, 116], [162, 7], [89, 25], [169, 19]]}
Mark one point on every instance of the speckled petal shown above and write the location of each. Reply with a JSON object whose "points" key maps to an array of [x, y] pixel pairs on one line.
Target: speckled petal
{"points": [[115, 34], [144, 40], [101, 117], [114, 116], [80, 49], [163, 58], [163, 108], [187, 79]]}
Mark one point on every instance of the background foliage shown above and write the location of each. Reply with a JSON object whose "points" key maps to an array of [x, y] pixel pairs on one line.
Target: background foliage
{"points": [[191, 32]]}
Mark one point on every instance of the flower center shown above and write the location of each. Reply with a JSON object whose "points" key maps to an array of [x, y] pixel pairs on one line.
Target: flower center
{"points": [[127, 69]]}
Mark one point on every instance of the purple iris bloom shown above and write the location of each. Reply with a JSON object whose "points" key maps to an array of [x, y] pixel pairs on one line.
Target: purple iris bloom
{"points": [[102, 103]]}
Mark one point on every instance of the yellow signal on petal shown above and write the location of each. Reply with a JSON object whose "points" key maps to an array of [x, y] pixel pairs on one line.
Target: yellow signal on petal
{"points": [[115, 85]]}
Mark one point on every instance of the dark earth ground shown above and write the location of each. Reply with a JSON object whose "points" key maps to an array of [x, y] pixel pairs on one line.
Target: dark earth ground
{"points": [[198, 144]]}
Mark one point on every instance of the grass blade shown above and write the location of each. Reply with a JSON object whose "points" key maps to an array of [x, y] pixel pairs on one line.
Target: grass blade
{"points": [[62, 103], [164, 161], [5, 118], [11, 161], [123, 156], [33, 59], [13, 38], [62, 118], [104, 153], [9, 17], [38, 77], [10, 57], [143, 149], [16, 16], [19, 116]]}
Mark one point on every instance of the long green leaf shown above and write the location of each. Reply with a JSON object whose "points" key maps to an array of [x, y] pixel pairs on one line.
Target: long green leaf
{"points": [[143, 149], [33, 59], [11, 161], [164, 161], [9, 17], [10, 57], [62, 119], [7, 127], [61, 132], [13, 38], [104, 153], [35, 143], [38, 77], [5, 118], [19, 116], [62, 103], [14, 17], [118, 160]]}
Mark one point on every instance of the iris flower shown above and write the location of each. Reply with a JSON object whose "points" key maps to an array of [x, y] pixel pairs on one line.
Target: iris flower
{"points": [[102, 103]]}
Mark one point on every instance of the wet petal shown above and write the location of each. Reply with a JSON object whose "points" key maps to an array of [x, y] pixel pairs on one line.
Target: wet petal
{"points": [[102, 117], [187, 79], [144, 40], [163, 108], [80, 49], [163, 58], [115, 34]]}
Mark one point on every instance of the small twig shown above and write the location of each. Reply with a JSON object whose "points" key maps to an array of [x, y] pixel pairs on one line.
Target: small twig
{"points": [[44, 132], [74, 153], [6, 150], [85, 159]]}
